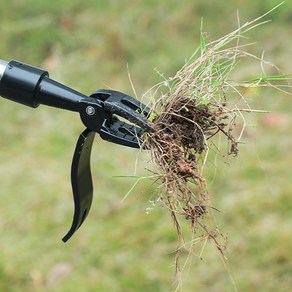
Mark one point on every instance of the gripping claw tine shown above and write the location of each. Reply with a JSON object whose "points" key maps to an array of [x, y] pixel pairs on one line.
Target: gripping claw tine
{"points": [[125, 106], [122, 133]]}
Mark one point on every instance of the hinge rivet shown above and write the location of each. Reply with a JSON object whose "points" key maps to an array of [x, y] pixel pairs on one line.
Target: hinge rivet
{"points": [[90, 110]]}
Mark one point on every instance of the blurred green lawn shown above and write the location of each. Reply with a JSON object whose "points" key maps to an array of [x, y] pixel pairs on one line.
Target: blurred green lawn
{"points": [[88, 45]]}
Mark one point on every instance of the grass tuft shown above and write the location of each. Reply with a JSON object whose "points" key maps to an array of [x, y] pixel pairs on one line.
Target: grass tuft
{"points": [[190, 110]]}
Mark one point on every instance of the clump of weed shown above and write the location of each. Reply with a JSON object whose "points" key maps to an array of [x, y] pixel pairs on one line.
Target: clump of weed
{"points": [[188, 110]]}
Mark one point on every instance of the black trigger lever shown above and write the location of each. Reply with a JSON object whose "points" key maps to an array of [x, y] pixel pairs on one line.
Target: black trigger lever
{"points": [[81, 180]]}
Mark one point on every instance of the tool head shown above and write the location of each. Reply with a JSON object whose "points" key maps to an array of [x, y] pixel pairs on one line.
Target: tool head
{"points": [[101, 111]]}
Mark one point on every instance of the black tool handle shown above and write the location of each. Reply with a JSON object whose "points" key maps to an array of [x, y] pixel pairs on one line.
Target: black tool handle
{"points": [[32, 86]]}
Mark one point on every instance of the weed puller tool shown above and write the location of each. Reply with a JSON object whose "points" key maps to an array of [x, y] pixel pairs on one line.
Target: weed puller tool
{"points": [[99, 113]]}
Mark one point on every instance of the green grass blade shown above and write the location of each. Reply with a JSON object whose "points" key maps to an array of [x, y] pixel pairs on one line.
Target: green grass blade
{"points": [[138, 179]]}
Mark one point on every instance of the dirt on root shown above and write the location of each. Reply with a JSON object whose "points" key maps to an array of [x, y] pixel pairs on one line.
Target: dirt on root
{"points": [[182, 129]]}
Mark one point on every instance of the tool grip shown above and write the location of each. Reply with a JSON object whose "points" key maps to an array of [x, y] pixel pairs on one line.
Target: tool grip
{"points": [[32, 86], [19, 83]]}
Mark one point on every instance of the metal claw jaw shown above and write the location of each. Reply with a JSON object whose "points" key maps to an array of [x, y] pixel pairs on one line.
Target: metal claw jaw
{"points": [[99, 114], [130, 109]]}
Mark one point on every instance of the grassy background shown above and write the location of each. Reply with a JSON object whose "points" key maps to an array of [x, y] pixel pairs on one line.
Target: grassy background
{"points": [[87, 45]]}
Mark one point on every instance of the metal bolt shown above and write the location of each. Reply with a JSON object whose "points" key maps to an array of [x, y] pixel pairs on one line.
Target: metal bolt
{"points": [[90, 110]]}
